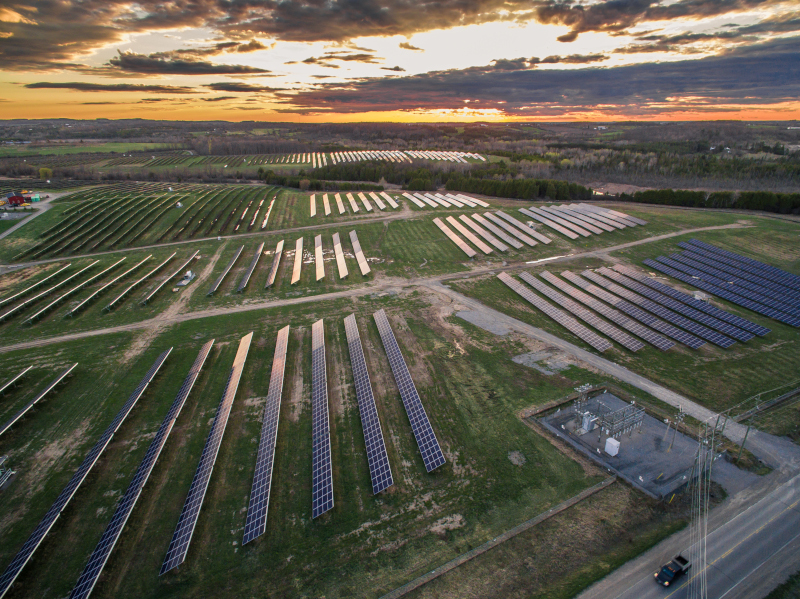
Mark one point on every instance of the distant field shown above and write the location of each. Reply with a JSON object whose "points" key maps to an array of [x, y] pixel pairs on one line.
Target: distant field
{"points": [[76, 148]]}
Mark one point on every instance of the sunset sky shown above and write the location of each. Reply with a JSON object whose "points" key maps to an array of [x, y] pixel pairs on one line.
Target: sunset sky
{"points": [[400, 60]]}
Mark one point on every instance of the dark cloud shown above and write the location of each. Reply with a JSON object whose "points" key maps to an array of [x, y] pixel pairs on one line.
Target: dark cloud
{"points": [[325, 61], [574, 59], [159, 65], [113, 87], [407, 46], [514, 64], [235, 86], [397, 69], [752, 75], [219, 99], [521, 64]]}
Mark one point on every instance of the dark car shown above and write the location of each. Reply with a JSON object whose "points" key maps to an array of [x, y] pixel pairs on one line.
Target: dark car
{"points": [[671, 571]]}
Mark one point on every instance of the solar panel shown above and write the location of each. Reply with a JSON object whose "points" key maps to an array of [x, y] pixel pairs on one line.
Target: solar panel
{"points": [[91, 573], [378, 460], [525, 228], [256, 523], [480, 203], [138, 282], [463, 201], [298, 260], [569, 323], [567, 216], [659, 310], [250, 269], [700, 305], [585, 315], [617, 214], [634, 312], [483, 233], [322, 471], [225, 272], [580, 217], [455, 238], [497, 231], [177, 271], [27, 290], [36, 399], [13, 380], [549, 223], [363, 265], [41, 530], [677, 306], [337, 250], [665, 265], [417, 202], [508, 228], [313, 209], [352, 201], [276, 262], [378, 202], [339, 203], [791, 279], [319, 258], [615, 217], [655, 339], [559, 221], [427, 200], [579, 209], [97, 292], [326, 204], [389, 200], [365, 201], [469, 235], [176, 554], [432, 455]]}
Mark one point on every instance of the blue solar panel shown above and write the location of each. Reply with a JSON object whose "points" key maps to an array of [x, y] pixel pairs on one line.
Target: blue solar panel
{"points": [[659, 310], [322, 471], [432, 455], [687, 299], [378, 460], [642, 316], [665, 265], [91, 573], [677, 306]]}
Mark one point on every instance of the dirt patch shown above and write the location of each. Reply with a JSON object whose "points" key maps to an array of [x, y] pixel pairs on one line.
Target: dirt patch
{"points": [[451, 522], [516, 458], [15, 277]]}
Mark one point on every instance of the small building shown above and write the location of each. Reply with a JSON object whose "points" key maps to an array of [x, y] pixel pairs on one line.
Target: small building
{"points": [[15, 198]]}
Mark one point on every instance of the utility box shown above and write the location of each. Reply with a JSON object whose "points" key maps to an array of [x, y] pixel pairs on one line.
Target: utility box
{"points": [[612, 446], [589, 421]]}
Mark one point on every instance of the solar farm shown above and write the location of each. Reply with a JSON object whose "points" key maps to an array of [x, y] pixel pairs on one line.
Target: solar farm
{"points": [[274, 392]]}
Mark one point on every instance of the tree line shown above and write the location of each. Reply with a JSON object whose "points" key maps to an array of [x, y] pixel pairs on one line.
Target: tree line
{"points": [[767, 201]]}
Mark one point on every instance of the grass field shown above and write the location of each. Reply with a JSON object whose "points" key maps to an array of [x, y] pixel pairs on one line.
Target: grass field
{"points": [[76, 148]]}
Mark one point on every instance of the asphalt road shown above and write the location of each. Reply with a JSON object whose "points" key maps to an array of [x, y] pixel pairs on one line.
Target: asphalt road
{"points": [[747, 556]]}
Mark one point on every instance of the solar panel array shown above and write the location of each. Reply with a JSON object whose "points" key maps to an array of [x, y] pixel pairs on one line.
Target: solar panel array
{"points": [[549, 223], [36, 399], [414, 200], [177, 271], [337, 250], [765, 270], [379, 469], [250, 269], [659, 310], [655, 339], [432, 455], [580, 217], [13, 380], [689, 312], [27, 290], [91, 573], [499, 233], [378, 201], [700, 305], [585, 315], [276, 262], [566, 321], [454, 238], [319, 257], [524, 228], [322, 471], [100, 290], [41, 530], [615, 214], [567, 217], [483, 233], [298, 260], [313, 207], [390, 200], [554, 220], [176, 554], [365, 201], [138, 282], [634, 312], [256, 523], [698, 279], [326, 204], [616, 224], [225, 272], [469, 235], [352, 201], [339, 203], [508, 228], [363, 265]]}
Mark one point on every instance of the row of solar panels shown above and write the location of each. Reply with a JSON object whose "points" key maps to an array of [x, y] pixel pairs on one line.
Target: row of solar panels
{"points": [[580, 220], [446, 200], [646, 309], [319, 261], [326, 203], [498, 229], [8, 385], [322, 492]]}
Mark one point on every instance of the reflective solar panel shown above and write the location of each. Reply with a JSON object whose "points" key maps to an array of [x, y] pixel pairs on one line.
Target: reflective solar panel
{"points": [[319, 258], [569, 323], [432, 455], [665, 265], [91, 573], [39, 283], [169, 277], [339, 203], [593, 225], [619, 318], [700, 305], [659, 310], [462, 245], [179, 546], [548, 222], [634, 312], [322, 471], [378, 460], [525, 228], [790, 279], [497, 232], [390, 200], [471, 237], [298, 260], [225, 272], [326, 204], [13, 380], [585, 315], [41, 530], [378, 201], [363, 265], [352, 201], [677, 306], [617, 224], [483, 233], [500, 222], [341, 265], [36, 399], [256, 522], [617, 214], [592, 209], [554, 217], [250, 269], [276, 262]]}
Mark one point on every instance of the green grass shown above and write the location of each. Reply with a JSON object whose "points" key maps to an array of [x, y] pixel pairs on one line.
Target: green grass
{"points": [[788, 590], [77, 148]]}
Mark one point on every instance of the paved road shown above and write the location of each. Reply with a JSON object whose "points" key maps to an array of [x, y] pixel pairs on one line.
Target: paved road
{"points": [[748, 554]]}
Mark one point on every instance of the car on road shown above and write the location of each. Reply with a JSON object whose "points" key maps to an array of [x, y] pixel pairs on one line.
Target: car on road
{"points": [[672, 570]]}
